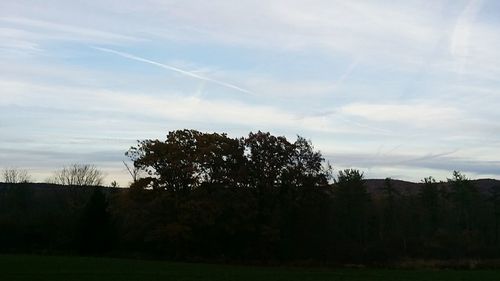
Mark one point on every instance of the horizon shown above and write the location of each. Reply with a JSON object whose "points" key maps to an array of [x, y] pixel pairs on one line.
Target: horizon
{"points": [[106, 185], [406, 90]]}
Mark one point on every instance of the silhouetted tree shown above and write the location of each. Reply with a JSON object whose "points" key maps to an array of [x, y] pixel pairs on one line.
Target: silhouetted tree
{"points": [[268, 159], [391, 229], [221, 160], [133, 171], [169, 164], [187, 158], [464, 195], [429, 196], [351, 211], [94, 229], [78, 175], [13, 175], [307, 167]]}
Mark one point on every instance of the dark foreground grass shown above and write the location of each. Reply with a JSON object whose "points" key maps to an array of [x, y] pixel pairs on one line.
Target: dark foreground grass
{"points": [[14, 267]]}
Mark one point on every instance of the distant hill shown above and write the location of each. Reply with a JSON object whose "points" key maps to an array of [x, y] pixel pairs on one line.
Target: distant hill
{"points": [[375, 186]]}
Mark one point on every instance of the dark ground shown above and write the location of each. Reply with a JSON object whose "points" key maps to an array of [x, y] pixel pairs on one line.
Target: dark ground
{"points": [[21, 267]]}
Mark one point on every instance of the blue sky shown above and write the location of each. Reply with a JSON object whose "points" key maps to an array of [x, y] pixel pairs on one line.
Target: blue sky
{"points": [[403, 90]]}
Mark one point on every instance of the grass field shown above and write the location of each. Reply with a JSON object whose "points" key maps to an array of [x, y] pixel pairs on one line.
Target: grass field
{"points": [[77, 268]]}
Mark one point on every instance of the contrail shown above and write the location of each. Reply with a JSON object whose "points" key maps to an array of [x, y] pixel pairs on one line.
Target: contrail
{"points": [[431, 156], [348, 72], [172, 68]]}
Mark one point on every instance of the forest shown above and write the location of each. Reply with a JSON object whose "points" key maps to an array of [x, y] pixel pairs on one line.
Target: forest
{"points": [[257, 199]]}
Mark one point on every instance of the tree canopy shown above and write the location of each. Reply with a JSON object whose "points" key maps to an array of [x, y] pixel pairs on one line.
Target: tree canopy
{"points": [[189, 158]]}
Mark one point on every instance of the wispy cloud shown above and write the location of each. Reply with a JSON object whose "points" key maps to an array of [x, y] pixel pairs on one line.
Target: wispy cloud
{"points": [[62, 28], [439, 164], [459, 45], [417, 115]]}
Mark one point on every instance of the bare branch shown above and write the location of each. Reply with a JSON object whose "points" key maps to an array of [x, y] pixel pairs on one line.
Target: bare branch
{"points": [[79, 175], [13, 175], [134, 171]]}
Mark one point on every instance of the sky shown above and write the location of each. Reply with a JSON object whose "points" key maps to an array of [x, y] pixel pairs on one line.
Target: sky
{"points": [[401, 89]]}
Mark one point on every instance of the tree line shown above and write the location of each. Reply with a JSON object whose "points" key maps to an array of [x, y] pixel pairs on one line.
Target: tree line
{"points": [[72, 175], [260, 198]]}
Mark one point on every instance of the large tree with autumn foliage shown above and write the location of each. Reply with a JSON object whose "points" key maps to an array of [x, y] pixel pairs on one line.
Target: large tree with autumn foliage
{"points": [[186, 159]]}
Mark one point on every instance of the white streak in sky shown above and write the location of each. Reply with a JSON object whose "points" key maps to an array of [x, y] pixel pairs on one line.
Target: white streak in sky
{"points": [[348, 72], [431, 156], [172, 68]]}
